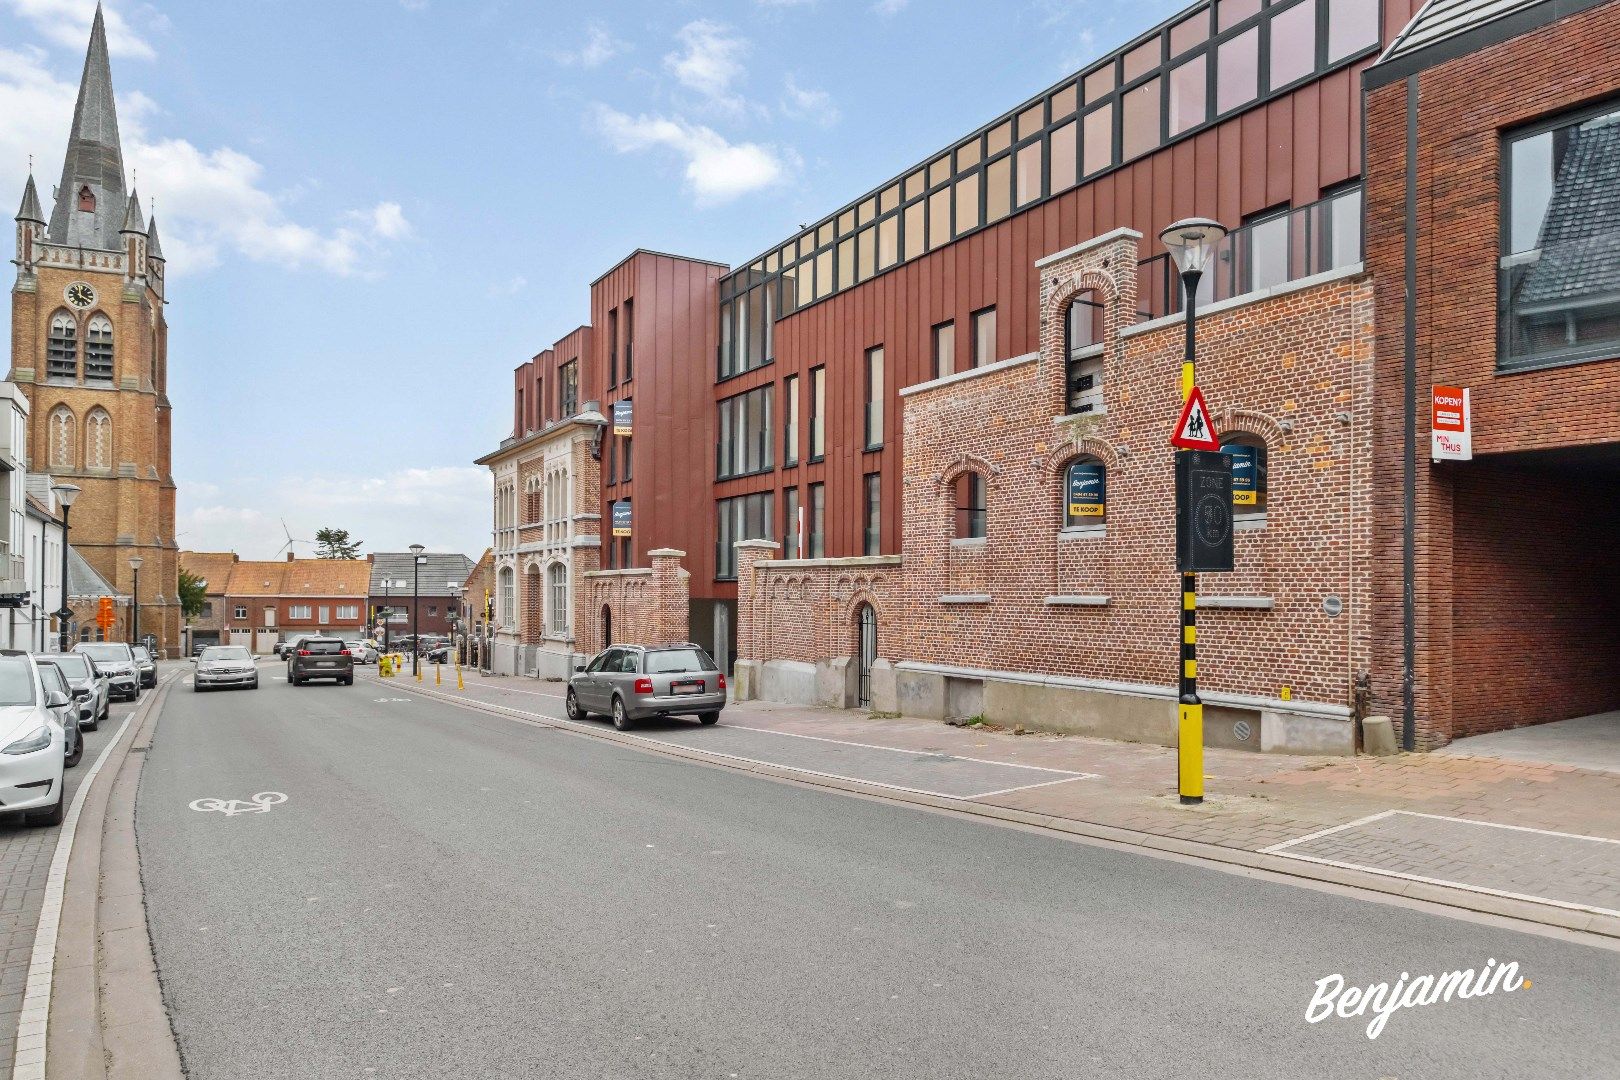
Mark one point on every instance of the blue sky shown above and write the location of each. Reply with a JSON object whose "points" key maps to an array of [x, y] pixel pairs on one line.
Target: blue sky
{"points": [[373, 210]]}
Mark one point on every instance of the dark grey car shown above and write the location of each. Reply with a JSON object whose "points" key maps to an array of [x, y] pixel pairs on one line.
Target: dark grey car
{"points": [[635, 682], [320, 658]]}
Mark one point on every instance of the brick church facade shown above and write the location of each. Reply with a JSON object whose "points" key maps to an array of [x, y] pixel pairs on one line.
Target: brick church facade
{"points": [[89, 348]]}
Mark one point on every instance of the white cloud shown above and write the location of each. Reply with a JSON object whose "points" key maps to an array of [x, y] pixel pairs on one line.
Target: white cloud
{"points": [[210, 202], [599, 47], [445, 508], [814, 105], [501, 290], [709, 60], [67, 23], [716, 170]]}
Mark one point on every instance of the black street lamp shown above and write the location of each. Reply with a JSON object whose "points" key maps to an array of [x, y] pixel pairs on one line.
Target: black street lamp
{"points": [[65, 494], [1190, 242], [135, 564], [416, 608]]}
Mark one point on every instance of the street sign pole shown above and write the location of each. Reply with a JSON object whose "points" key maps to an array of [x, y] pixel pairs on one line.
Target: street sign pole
{"points": [[1190, 710]]}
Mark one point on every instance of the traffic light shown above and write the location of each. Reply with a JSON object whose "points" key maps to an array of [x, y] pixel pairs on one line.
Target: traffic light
{"points": [[105, 616]]}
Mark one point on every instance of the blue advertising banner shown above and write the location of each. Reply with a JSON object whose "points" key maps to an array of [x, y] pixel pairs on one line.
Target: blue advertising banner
{"points": [[621, 518], [1246, 474], [621, 417], [1087, 496]]}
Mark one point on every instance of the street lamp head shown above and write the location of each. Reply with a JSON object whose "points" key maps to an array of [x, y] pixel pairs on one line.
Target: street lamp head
{"points": [[66, 493], [1191, 241], [136, 562], [417, 549]]}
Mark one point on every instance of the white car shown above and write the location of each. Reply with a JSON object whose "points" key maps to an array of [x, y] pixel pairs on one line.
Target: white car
{"points": [[32, 742], [225, 665], [363, 652]]}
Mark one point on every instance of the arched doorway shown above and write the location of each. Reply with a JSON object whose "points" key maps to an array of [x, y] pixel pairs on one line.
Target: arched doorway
{"points": [[607, 626], [866, 651]]}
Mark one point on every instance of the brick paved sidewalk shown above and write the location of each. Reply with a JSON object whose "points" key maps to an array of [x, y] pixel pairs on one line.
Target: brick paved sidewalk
{"points": [[1473, 823]]}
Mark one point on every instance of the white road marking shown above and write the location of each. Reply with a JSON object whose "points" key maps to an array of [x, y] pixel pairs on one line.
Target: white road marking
{"points": [[1071, 774], [522, 717], [1281, 851], [29, 1062], [259, 804], [1046, 783]]}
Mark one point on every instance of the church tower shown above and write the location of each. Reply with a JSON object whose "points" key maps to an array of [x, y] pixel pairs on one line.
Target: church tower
{"points": [[89, 349]]}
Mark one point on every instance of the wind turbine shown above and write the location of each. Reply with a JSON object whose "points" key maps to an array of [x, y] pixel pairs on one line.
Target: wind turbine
{"points": [[290, 540]]}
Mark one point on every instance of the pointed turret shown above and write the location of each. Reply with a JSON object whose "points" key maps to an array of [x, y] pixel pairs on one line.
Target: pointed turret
{"points": [[154, 250], [133, 221], [31, 210], [90, 202]]}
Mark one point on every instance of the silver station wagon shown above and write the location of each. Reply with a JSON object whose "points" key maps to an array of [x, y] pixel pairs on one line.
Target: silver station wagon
{"points": [[637, 682]]}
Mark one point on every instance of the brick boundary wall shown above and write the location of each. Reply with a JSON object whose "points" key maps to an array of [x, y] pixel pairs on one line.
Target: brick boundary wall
{"points": [[649, 605]]}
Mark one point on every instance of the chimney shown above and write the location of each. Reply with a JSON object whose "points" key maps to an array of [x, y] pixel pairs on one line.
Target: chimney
{"points": [[291, 556], [371, 558]]}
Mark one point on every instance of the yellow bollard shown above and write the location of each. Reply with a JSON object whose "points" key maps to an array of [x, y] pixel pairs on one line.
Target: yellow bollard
{"points": [[460, 685], [438, 674]]}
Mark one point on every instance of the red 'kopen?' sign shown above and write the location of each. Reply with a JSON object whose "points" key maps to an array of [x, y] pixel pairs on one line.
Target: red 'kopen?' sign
{"points": [[1451, 425]]}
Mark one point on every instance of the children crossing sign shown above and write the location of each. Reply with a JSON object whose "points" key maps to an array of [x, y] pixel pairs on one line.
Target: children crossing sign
{"points": [[1194, 430]]}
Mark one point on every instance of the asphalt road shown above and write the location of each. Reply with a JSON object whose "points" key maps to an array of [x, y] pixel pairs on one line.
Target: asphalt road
{"points": [[449, 894]]}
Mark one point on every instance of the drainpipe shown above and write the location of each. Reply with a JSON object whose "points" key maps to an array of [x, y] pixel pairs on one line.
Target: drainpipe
{"points": [[1409, 443]]}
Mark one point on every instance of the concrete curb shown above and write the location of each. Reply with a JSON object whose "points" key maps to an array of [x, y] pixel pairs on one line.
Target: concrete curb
{"points": [[115, 1028], [1236, 860]]}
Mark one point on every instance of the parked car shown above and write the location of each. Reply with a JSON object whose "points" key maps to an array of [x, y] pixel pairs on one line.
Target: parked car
{"points": [[89, 686], [437, 654], [67, 713], [363, 651], [117, 661], [145, 665], [320, 658], [634, 682], [32, 754], [225, 665], [197, 647]]}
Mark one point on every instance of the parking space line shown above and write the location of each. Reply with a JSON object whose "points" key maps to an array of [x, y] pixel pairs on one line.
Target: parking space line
{"points": [[1276, 849], [1026, 787], [1070, 773], [590, 729]]}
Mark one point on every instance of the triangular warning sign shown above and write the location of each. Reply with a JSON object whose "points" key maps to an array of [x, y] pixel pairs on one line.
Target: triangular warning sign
{"points": [[1194, 430]]}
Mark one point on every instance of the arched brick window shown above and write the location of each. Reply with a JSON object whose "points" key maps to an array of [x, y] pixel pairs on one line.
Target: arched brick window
{"points": [[557, 587], [62, 348], [63, 432], [98, 350], [1085, 493], [1249, 467], [506, 587], [98, 444], [971, 510]]}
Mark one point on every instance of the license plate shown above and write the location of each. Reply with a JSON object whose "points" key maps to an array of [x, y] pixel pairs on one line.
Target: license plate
{"points": [[686, 688], [326, 663]]}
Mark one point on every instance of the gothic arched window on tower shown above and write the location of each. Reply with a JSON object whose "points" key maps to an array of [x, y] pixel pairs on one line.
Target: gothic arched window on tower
{"points": [[98, 439], [98, 350], [63, 438], [62, 351], [87, 199]]}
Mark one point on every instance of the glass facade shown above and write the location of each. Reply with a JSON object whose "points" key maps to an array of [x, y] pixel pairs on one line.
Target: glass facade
{"points": [[748, 517], [745, 444]]}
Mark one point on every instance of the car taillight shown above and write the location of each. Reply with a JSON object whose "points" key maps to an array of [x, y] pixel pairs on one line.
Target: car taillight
{"points": [[722, 682], [344, 652], [644, 686], [305, 652]]}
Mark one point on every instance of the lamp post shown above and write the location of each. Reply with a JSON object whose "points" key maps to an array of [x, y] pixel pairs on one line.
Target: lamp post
{"points": [[135, 564], [416, 608], [65, 494], [386, 612], [1190, 242]]}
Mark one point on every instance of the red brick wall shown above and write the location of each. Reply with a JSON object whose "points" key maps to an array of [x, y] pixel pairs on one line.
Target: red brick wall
{"points": [[1464, 106], [649, 606], [806, 610], [1536, 608]]}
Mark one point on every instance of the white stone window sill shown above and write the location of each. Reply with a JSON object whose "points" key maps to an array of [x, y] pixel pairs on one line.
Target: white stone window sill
{"points": [[970, 542], [1083, 532], [965, 598], [1236, 603], [1249, 522], [1077, 601]]}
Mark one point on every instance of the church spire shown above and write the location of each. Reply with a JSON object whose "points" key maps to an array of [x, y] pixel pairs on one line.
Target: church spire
{"points": [[133, 221], [90, 201], [154, 250], [31, 210]]}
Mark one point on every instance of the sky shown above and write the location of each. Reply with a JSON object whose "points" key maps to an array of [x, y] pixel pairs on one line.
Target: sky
{"points": [[374, 210]]}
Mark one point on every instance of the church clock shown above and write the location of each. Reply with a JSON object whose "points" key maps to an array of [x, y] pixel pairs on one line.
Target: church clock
{"points": [[80, 295]]}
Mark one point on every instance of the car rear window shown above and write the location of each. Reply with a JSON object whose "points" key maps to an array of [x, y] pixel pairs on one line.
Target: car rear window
{"points": [[323, 647], [107, 653], [74, 667], [676, 661]]}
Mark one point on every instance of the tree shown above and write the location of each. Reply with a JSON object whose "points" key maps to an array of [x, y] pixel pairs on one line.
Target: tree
{"points": [[193, 591], [335, 544]]}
